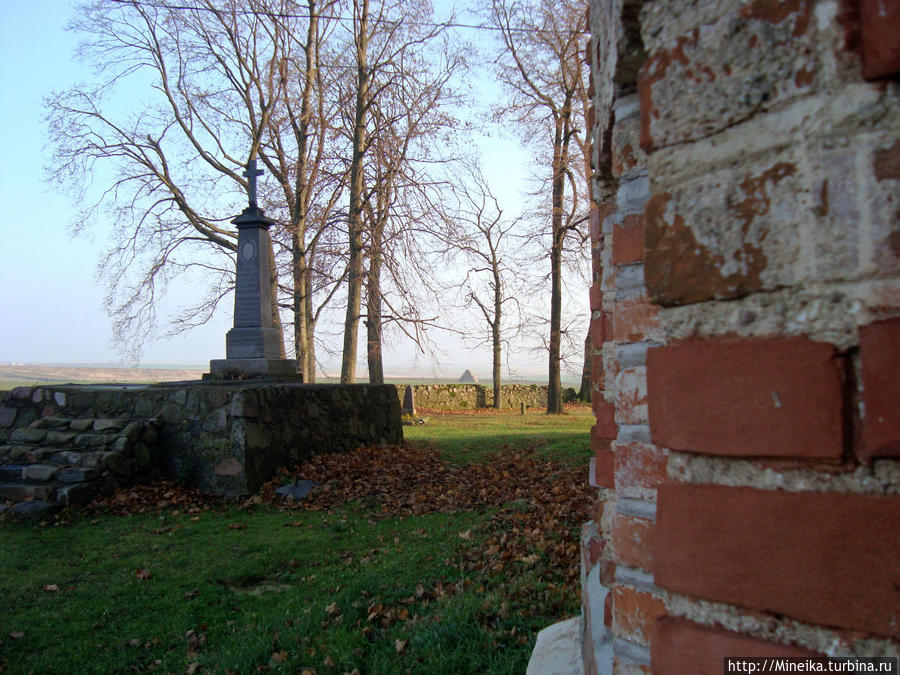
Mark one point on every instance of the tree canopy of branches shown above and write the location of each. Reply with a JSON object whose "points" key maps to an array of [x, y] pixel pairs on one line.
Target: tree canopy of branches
{"points": [[185, 95], [543, 72], [401, 89], [338, 112]]}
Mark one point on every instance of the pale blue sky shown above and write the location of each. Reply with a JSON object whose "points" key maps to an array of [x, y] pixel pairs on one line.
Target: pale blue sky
{"points": [[51, 304]]}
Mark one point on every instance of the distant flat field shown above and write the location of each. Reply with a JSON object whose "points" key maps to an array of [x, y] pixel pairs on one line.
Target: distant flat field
{"points": [[15, 376]]}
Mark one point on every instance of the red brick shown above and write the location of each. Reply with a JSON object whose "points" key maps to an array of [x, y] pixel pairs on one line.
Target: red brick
{"points": [[597, 373], [596, 297], [634, 613], [756, 397], [598, 214], [680, 647], [596, 550], [628, 240], [605, 414], [879, 348], [880, 38], [635, 320], [632, 540], [604, 469], [823, 558], [640, 465], [601, 329]]}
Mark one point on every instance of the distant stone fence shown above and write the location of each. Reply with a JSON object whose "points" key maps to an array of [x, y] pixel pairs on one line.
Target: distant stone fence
{"points": [[471, 396], [225, 438]]}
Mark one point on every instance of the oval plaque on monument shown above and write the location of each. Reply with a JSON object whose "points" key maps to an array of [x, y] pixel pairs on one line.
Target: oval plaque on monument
{"points": [[248, 250]]}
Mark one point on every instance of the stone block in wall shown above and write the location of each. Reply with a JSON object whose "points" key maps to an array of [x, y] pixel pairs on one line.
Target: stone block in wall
{"points": [[701, 78], [803, 215], [680, 647], [824, 558], [756, 397], [627, 154], [879, 350]]}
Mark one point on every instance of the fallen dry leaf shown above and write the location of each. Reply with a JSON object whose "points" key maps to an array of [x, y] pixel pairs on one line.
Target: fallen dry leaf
{"points": [[332, 609], [400, 646], [17, 635], [51, 588], [142, 574]]}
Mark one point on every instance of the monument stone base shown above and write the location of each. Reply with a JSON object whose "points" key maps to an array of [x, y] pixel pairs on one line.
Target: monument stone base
{"points": [[238, 369]]}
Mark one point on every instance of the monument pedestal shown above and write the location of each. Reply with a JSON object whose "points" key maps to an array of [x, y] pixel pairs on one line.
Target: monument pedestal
{"points": [[253, 347], [235, 369]]}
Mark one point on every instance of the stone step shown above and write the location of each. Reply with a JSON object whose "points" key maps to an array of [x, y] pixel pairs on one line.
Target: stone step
{"points": [[68, 461], [20, 492]]}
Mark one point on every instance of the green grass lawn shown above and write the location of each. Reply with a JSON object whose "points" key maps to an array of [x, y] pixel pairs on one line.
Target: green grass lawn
{"points": [[226, 588], [467, 437]]}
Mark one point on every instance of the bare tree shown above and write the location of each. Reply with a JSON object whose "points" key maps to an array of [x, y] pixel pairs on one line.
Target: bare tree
{"points": [[542, 69], [400, 89], [186, 94], [477, 227]]}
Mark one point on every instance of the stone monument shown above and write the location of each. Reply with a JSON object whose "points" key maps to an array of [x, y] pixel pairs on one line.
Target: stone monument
{"points": [[409, 402], [253, 347]]}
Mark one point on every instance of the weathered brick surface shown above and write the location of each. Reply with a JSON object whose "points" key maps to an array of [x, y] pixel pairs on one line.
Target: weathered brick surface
{"points": [[631, 395], [632, 540], [603, 468], [880, 38], [628, 240], [634, 612], [605, 414], [627, 154], [635, 320], [824, 558], [879, 347], [769, 398], [640, 468], [680, 647], [601, 329], [748, 57]]}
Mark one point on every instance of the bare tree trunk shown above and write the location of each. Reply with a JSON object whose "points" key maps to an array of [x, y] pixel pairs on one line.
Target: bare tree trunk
{"points": [[310, 338], [585, 392], [301, 325], [554, 385], [373, 314], [354, 221], [495, 334]]}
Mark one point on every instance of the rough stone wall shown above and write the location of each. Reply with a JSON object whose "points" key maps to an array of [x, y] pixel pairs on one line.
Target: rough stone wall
{"points": [[746, 325], [471, 396], [226, 438]]}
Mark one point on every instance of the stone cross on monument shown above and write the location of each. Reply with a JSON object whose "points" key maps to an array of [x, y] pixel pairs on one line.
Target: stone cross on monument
{"points": [[250, 174], [253, 345]]}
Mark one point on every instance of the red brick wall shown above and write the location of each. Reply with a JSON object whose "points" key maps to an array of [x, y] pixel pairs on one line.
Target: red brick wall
{"points": [[746, 327]]}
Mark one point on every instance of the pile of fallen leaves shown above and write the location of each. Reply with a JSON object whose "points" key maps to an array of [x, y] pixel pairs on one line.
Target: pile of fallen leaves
{"points": [[162, 495], [540, 503]]}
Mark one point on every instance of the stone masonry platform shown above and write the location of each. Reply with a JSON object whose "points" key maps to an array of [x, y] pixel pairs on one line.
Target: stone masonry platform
{"points": [[223, 437]]}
